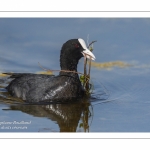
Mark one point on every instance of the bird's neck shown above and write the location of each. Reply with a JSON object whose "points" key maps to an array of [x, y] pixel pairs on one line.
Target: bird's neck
{"points": [[71, 71], [68, 67], [68, 62]]}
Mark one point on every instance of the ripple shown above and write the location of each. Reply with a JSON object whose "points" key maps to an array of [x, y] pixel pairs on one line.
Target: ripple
{"points": [[99, 93], [123, 86]]}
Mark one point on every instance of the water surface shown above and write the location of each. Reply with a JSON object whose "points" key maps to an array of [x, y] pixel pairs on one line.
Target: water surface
{"points": [[120, 100]]}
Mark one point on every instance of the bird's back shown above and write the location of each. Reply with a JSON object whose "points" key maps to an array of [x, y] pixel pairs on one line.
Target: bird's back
{"points": [[35, 88]]}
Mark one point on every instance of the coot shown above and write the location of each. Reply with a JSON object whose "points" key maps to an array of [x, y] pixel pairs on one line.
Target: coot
{"points": [[37, 88]]}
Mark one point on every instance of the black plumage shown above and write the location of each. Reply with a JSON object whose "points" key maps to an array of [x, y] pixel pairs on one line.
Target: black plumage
{"points": [[36, 88]]}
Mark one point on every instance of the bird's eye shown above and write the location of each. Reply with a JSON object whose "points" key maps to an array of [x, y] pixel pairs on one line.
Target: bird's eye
{"points": [[76, 45]]}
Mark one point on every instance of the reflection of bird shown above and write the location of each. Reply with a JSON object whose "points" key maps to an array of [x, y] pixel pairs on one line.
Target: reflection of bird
{"points": [[66, 116], [45, 88]]}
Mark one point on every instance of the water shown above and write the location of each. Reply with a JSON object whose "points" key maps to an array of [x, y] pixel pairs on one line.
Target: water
{"points": [[120, 100]]}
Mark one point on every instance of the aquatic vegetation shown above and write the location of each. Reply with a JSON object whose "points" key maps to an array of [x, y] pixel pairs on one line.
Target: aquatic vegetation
{"points": [[85, 78], [86, 115], [110, 65], [3, 75], [45, 72]]}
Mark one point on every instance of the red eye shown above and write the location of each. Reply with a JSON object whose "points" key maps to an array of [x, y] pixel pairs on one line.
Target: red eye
{"points": [[76, 46]]}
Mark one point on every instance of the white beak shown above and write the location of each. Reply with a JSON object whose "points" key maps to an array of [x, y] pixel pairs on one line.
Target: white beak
{"points": [[86, 52]]}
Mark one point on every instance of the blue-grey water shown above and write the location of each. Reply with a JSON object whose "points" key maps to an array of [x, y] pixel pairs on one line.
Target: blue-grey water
{"points": [[120, 100]]}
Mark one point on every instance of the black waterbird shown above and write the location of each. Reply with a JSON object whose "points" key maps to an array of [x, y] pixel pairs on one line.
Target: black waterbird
{"points": [[38, 88]]}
